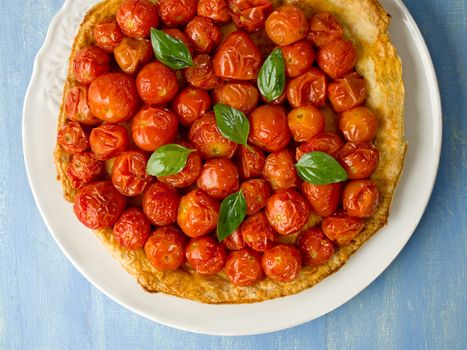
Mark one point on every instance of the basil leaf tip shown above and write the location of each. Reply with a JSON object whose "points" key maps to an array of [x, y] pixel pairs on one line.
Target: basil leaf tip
{"points": [[320, 168], [169, 50], [271, 77], [168, 160], [232, 123], [231, 215]]}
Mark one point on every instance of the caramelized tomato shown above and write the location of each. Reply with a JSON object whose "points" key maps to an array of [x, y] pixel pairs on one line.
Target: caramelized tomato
{"points": [[108, 35], [175, 13], [201, 74], [72, 138], [360, 198], [205, 255], [324, 199], [243, 267], [358, 159], [108, 140], [308, 88], [215, 10], [315, 247], [234, 241], [137, 17], [327, 142], [132, 53], [160, 204], [358, 124], [249, 15], [219, 178], [286, 25], [337, 58], [305, 122], [132, 229], [89, 63], [280, 171], [298, 58], [164, 249], [282, 263], [156, 84], [84, 168], [191, 104], [250, 161], [203, 34], [348, 92], [241, 96], [257, 233], [342, 228], [324, 28], [77, 107], [257, 193], [129, 173], [189, 173]]}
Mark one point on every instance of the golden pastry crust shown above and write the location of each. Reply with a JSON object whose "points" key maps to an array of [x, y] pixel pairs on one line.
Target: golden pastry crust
{"points": [[366, 25]]}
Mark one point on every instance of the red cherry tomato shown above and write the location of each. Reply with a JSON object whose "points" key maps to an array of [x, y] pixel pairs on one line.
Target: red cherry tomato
{"points": [[156, 84], [205, 255], [308, 88], [84, 168], [250, 162], [358, 159], [348, 92], [243, 267], [241, 96], [203, 34], [305, 122], [298, 58], [280, 171], [160, 204], [129, 173], [108, 35], [315, 247], [175, 13], [327, 142], [215, 10], [337, 58], [137, 17], [191, 104], [164, 249], [108, 140], [358, 124], [178, 34], [77, 107], [324, 199], [278, 101], [250, 15], [132, 53], [342, 228], [132, 229], [360, 198], [72, 138], [257, 193], [234, 241], [286, 25], [201, 74], [219, 178], [324, 28], [99, 205], [257, 233], [282, 263], [89, 63]]}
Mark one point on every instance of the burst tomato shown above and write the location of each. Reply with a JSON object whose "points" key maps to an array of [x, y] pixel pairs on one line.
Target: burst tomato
{"points": [[137, 17], [132, 229], [324, 199], [215, 10], [342, 228], [191, 104], [108, 35], [205, 255], [72, 138], [164, 249], [315, 247], [241, 96], [327, 142], [132, 53], [108, 140], [348, 92], [160, 204], [219, 178], [203, 34], [298, 58], [250, 15], [324, 28], [257, 233], [201, 74], [308, 88], [257, 193], [280, 171], [337, 58], [89, 63], [282, 263], [84, 168], [243, 267], [360, 198], [129, 173], [175, 13], [77, 107], [250, 161], [234, 241], [358, 159]]}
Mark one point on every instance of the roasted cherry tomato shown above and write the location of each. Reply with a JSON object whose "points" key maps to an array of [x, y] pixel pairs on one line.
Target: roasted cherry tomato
{"points": [[257, 193], [250, 161], [305, 122], [219, 178], [308, 88], [137, 17], [268, 128], [156, 84], [108, 35], [286, 25], [278, 101], [324, 199], [84, 168], [198, 213], [327, 142], [77, 107], [215, 10], [131, 53], [280, 171], [178, 34], [358, 124], [164, 249], [89, 63], [337, 58], [108, 140], [153, 127], [205, 136], [112, 97], [257, 233], [203, 34], [175, 13], [132, 229], [287, 211], [298, 58], [234, 241], [282, 263], [243, 267], [129, 173], [72, 138], [315, 247], [360, 198], [160, 204], [359, 159], [99, 205], [237, 58], [250, 15], [201, 74], [348, 92], [205, 255], [191, 104], [342, 228], [241, 96], [324, 28]]}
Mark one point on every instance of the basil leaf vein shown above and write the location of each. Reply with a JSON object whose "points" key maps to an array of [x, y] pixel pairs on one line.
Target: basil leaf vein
{"points": [[271, 77], [232, 123], [320, 168], [168, 160], [170, 51], [231, 215]]}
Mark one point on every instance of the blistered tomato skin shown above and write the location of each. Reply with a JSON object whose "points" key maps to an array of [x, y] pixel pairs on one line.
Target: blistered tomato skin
{"points": [[108, 35], [72, 138], [308, 88], [243, 267], [215, 10], [298, 58], [327, 142], [234, 241], [337, 58], [137, 17], [132, 229], [89, 63], [77, 107], [131, 53], [358, 159], [156, 84], [250, 161], [305, 122], [219, 178], [358, 124], [129, 173], [257, 233], [203, 34], [282, 263], [201, 74], [191, 104], [316, 249], [197, 214], [324, 199], [153, 127], [84, 168], [175, 13], [205, 255], [360, 198], [342, 228], [164, 249], [324, 28], [99, 205], [286, 25], [242, 96], [160, 204], [348, 92], [279, 171], [108, 140], [249, 15], [257, 193], [189, 173], [287, 211]]}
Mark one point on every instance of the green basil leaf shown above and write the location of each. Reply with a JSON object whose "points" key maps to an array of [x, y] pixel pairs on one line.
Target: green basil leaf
{"points": [[271, 77], [168, 160], [170, 51], [320, 168], [231, 215], [232, 123]]}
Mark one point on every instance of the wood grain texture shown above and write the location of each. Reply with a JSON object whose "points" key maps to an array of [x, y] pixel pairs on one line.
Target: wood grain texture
{"points": [[419, 302]]}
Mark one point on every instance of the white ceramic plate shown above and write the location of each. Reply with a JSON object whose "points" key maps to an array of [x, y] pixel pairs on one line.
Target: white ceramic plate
{"points": [[423, 133]]}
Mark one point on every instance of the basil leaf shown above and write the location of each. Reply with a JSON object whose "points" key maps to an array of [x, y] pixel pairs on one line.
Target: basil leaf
{"points": [[232, 123], [231, 215], [170, 51], [271, 77], [320, 168], [168, 160]]}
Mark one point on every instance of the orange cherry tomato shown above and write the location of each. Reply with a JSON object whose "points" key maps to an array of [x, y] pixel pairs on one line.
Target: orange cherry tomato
{"points": [[215, 10], [201, 74], [108, 140], [132, 229], [72, 138], [280, 171], [278, 101], [257, 193], [191, 104], [89, 63], [203, 34], [298, 58], [156, 83], [250, 161], [205, 255], [337, 58], [308, 88], [112, 97], [324, 28], [219, 178], [129, 173], [160, 204], [178, 34], [287, 211], [197, 214], [348, 92], [286, 25], [153, 127], [84, 168], [77, 107], [327, 142], [358, 159], [99, 205], [342, 228], [234, 241], [257, 233], [241, 96], [175, 13], [315, 247], [137, 17], [243, 267], [358, 124], [207, 139], [108, 35], [164, 249], [131, 53], [360, 198], [282, 263], [324, 199], [237, 58], [305, 122], [268, 128], [250, 15]]}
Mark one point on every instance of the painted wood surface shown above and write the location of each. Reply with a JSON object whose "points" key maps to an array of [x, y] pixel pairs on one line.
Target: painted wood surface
{"points": [[419, 302]]}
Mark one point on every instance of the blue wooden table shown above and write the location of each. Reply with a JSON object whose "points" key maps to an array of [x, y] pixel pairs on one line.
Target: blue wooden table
{"points": [[419, 302]]}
